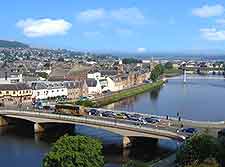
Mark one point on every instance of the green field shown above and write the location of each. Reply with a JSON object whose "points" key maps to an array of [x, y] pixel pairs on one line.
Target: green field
{"points": [[128, 93]]}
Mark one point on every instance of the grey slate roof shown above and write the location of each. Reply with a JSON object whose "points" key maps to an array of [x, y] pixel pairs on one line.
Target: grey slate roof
{"points": [[19, 86]]}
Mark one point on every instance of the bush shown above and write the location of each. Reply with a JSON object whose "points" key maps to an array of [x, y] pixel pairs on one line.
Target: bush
{"points": [[75, 151], [135, 164], [86, 103], [206, 163], [198, 148]]}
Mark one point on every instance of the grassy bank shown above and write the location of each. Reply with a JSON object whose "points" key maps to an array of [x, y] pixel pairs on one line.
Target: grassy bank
{"points": [[128, 93], [172, 72]]}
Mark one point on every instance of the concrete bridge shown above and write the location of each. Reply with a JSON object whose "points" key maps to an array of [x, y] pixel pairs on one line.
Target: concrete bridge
{"points": [[129, 130]]}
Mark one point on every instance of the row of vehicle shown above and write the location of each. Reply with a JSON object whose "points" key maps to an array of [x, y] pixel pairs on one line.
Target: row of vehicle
{"points": [[133, 117]]}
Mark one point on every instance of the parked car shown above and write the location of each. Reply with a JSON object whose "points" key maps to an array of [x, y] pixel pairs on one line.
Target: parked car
{"points": [[188, 130], [94, 112], [121, 116], [108, 114], [90, 97], [151, 120]]}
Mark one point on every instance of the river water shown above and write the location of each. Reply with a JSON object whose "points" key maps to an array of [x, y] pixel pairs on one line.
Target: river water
{"points": [[197, 99]]}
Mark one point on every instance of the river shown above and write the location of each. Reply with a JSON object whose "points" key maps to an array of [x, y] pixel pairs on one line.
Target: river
{"points": [[197, 100]]}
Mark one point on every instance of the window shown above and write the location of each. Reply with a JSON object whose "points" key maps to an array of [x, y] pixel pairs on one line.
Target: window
{"points": [[7, 92], [14, 92], [0, 92]]}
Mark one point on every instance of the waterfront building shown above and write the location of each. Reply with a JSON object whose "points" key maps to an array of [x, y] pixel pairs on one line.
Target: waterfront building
{"points": [[15, 94]]}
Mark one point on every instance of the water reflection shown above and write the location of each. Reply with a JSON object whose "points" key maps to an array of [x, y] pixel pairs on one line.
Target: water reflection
{"points": [[20, 147], [197, 100], [154, 94]]}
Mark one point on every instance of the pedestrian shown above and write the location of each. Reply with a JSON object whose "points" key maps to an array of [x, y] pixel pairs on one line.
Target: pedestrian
{"points": [[179, 118]]}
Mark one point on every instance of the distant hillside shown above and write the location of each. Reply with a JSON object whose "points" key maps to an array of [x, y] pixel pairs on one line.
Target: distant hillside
{"points": [[12, 44]]}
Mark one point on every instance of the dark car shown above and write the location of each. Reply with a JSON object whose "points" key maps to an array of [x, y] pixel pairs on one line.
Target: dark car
{"points": [[151, 120], [108, 114], [189, 130], [221, 133], [94, 112]]}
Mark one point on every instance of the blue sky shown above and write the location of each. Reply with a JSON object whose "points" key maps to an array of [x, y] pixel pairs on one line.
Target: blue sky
{"points": [[116, 25]]}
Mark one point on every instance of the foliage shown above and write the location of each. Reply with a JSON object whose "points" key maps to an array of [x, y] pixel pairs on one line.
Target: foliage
{"points": [[156, 72], [75, 151], [135, 164], [85, 103], [43, 75], [130, 61], [198, 148], [206, 163], [168, 65]]}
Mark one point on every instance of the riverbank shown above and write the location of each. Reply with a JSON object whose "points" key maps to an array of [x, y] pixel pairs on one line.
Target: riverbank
{"points": [[172, 72], [128, 93]]}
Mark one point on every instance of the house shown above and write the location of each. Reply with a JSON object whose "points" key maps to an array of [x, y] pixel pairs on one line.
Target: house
{"points": [[15, 94], [9, 75], [68, 72], [48, 90], [94, 86], [102, 82], [75, 89]]}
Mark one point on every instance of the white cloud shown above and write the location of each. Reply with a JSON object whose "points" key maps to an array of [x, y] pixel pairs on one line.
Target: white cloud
{"points": [[92, 15], [43, 27], [141, 50], [122, 15], [213, 34], [209, 11]]}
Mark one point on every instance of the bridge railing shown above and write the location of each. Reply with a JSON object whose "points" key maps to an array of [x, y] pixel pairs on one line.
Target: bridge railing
{"points": [[122, 124]]}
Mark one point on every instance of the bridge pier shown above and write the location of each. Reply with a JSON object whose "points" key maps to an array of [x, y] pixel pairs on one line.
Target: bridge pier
{"points": [[126, 142], [3, 121], [38, 128]]}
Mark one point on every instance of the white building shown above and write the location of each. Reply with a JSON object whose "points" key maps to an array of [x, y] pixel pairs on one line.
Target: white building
{"points": [[96, 83], [46, 89]]}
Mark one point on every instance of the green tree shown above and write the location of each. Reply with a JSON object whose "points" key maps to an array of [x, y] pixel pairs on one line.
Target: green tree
{"points": [[75, 151], [135, 164], [168, 65], [156, 72], [206, 163], [198, 148]]}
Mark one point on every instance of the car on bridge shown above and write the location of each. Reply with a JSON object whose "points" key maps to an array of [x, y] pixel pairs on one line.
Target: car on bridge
{"points": [[189, 131], [109, 114], [152, 120], [94, 112]]}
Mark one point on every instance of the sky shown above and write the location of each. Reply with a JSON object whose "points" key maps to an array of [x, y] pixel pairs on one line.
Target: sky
{"points": [[117, 25]]}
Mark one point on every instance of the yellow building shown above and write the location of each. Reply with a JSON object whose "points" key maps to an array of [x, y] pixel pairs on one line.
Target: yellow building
{"points": [[15, 94]]}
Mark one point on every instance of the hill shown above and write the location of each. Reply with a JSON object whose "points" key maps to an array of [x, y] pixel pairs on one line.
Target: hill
{"points": [[12, 44]]}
